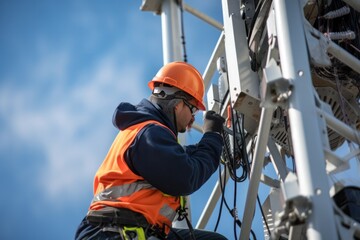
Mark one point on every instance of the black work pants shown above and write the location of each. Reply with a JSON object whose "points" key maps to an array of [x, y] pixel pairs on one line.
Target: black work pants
{"points": [[87, 231]]}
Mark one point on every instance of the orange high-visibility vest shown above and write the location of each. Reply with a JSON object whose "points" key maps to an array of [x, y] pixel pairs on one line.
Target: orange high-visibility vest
{"points": [[117, 186]]}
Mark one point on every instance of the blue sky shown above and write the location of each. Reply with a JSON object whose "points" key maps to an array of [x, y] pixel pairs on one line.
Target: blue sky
{"points": [[64, 67]]}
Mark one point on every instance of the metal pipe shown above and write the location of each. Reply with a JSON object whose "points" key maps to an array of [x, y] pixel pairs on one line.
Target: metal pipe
{"points": [[171, 31], [203, 17], [341, 128], [211, 67], [197, 127], [304, 120], [335, 50], [344, 56], [277, 160], [256, 169]]}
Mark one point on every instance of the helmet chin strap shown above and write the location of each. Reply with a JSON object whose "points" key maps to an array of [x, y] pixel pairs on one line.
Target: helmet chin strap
{"points": [[175, 122]]}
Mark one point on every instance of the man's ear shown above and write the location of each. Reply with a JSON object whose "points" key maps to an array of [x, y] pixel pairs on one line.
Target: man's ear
{"points": [[176, 107]]}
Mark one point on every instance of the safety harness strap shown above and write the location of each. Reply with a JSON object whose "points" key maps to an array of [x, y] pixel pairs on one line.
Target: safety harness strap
{"points": [[130, 224], [116, 216], [182, 214]]}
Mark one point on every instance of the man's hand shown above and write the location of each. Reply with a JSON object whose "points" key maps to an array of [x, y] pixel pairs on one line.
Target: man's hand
{"points": [[213, 122]]}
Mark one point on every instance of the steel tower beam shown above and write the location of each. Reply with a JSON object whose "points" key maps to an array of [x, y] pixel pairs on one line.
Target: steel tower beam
{"points": [[304, 120]]}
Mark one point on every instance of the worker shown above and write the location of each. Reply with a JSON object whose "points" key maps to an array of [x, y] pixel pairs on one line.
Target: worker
{"points": [[139, 188]]}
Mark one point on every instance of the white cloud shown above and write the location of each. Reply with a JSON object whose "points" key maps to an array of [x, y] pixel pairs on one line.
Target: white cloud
{"points": [[52, 64], [72, 126], [62, 104], [66, 112]]}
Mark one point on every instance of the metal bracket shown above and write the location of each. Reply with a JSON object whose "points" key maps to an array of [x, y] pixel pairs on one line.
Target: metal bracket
{"points": [[151, 6], [274, 87], [318, 45], [296, 210]]}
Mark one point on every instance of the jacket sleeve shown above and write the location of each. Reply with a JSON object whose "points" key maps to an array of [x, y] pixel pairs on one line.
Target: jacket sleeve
{"points": [[163, 162]]}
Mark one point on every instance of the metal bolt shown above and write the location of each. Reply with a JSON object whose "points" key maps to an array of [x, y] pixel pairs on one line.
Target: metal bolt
{"points": [[292, 217]]}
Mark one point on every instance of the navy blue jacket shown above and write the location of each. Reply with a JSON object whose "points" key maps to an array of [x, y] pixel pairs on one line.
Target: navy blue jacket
{"points": [[159, 158]]}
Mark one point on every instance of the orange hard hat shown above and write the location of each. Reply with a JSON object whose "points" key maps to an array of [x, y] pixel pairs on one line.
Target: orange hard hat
{"points": [[184, 77]]}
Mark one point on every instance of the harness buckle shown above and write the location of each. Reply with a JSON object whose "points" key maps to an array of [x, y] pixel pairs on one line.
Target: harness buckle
{"points": [[133, 233]]}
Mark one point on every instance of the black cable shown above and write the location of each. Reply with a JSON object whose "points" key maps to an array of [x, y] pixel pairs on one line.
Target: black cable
{"points": [[182, 30], [230, 159], [241, 148], [222, 188], [245, 159], [235, 158], [234, 210], [183, 214], [178, 237], [191, 232], [229, 162], [244, 153], [263, 215], [234, 169], [239, 144]]}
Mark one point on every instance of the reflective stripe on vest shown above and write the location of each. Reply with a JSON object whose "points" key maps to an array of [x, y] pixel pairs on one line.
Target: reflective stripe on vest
{"points": [[115, 185], [112, 193], [115, 192]]}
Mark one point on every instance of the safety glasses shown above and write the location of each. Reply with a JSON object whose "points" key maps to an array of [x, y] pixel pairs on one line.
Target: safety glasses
{"points": [[192, 108]]}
